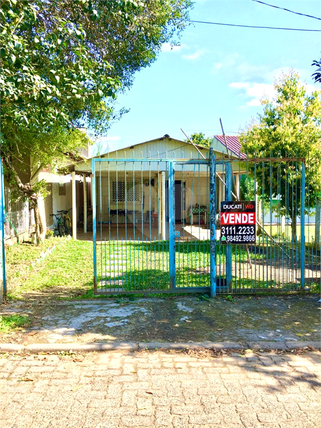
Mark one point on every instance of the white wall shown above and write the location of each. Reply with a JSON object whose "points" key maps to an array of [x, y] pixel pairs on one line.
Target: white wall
{"points": [[60, 202]]}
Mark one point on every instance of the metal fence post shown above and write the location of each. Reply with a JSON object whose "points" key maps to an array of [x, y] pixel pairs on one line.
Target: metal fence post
{"points": [[93, 192], [212, 224], [2, 219], [171, 215], [228, 197], [302, 227]]}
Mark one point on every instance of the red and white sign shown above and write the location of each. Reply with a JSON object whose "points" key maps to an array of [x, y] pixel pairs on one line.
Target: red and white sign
{"points": [[238, 222], [232, 219]]}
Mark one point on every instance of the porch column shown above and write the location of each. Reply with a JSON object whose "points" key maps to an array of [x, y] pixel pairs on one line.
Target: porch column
{"points": [[74, 206], [237, 186], [163, 208], [85, 202], [159, 204], [92, 195]]}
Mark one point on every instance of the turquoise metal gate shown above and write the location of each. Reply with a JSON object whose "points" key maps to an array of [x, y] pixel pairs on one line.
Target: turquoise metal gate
{"points": [[156, 226], [150, 225]]}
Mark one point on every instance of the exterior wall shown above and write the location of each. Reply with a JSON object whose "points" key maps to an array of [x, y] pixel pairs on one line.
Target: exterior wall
{"points": [[61, 199], [48, 205], [145, 197], [162, 148], [196, 193]]}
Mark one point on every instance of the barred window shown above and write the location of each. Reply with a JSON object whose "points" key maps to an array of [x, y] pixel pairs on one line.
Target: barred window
{"points": [[133, 192]]}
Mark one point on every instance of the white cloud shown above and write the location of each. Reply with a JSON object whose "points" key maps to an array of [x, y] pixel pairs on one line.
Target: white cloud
{"points": [[239, 85], [228, 61], [167, 47], [195, 55], [255, 91]]}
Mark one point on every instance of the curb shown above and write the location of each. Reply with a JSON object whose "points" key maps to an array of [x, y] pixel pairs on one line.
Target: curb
{"points": [[131, 346]]}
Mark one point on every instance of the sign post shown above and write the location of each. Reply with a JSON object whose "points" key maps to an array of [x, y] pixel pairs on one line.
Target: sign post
{"points": [[238, 222]]}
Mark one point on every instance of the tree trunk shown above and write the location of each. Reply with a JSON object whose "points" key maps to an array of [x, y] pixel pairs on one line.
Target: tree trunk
{"points": [[39, 226]]}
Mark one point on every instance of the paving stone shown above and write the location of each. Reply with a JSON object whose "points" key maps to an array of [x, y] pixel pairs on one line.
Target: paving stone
{"points": [[137, 421], [116, 397]]}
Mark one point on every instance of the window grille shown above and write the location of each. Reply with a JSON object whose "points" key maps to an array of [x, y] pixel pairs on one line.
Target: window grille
{"points": [[133, 192]]}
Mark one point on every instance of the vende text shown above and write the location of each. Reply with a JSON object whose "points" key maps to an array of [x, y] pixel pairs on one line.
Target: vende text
{"points": [[237, 218]]}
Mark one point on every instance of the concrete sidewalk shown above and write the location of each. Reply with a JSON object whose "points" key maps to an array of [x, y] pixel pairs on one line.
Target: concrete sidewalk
{"points": [[173, 322]]}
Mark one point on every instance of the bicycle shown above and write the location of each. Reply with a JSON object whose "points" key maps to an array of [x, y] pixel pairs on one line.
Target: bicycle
{"points": [[59, 229], [63, 223], [66, 220]]}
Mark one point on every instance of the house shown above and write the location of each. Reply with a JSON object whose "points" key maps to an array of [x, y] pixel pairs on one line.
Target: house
{"points": [[132, 192]]}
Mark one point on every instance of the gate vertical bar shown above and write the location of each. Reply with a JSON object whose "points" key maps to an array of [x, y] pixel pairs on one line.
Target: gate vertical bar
{"points": [[93, 191], [212, 224], [302, 227], [228, 197], [171, 228]]}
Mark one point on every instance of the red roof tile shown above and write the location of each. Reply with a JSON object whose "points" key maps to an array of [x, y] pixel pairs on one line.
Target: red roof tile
{"points": [[233, 144]]}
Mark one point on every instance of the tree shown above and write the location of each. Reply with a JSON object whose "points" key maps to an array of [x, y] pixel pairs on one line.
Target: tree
{"points": [[199, 138], [290, 126], [317, 74], [63, 64]]}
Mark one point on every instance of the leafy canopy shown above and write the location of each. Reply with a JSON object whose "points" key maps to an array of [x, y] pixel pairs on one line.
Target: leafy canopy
{"points": [[200, 139], [63, 64], [62, 60], [290, 126]]}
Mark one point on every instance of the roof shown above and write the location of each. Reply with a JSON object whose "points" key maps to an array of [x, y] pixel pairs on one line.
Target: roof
{"points": [[165, 137], [233, 144]]}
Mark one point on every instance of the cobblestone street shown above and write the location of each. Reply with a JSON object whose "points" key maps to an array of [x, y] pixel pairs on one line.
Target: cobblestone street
{"points": [[195, 388]]}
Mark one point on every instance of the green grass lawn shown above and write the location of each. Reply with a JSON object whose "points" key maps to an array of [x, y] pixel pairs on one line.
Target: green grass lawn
{"points": [[67, 270]]}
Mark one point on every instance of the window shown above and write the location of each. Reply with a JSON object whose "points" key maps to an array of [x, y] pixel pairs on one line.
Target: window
{"points": [[62, 189], [120, 189]]}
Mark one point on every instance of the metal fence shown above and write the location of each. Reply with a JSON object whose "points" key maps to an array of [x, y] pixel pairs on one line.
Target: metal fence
{"points": [[3, 286], [17, 216], [156, 226]]}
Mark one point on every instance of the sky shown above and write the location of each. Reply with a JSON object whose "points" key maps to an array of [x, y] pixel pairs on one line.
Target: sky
{"points": [[218, 71]]}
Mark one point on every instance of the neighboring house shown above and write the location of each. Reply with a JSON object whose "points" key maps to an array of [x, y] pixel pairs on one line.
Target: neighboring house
{"points": [[229, 145]]}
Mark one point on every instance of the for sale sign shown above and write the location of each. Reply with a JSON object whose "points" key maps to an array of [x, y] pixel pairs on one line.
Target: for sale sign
{"points": [[238, 221]]}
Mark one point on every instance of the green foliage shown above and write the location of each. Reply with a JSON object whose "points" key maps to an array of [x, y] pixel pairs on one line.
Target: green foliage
{"points": [[60, 66], [10, 323], [290, 126], [200, 139], [246, 188]]}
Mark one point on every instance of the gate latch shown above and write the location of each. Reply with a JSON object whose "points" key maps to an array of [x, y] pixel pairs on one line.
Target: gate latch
{"points": [[177, 234]]}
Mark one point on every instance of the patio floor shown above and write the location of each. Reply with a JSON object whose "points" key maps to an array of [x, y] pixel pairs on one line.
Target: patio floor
{"points": [[143, 233]]}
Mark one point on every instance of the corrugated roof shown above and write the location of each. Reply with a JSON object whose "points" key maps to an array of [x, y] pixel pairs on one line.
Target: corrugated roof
{"points": [[233, 144]]}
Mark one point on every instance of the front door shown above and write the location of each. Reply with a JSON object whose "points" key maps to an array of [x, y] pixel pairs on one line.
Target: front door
{"points": [[178, 201]]}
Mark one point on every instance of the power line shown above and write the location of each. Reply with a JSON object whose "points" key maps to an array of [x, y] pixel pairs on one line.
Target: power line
{"points": [[287, 10], [255, 26]]}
